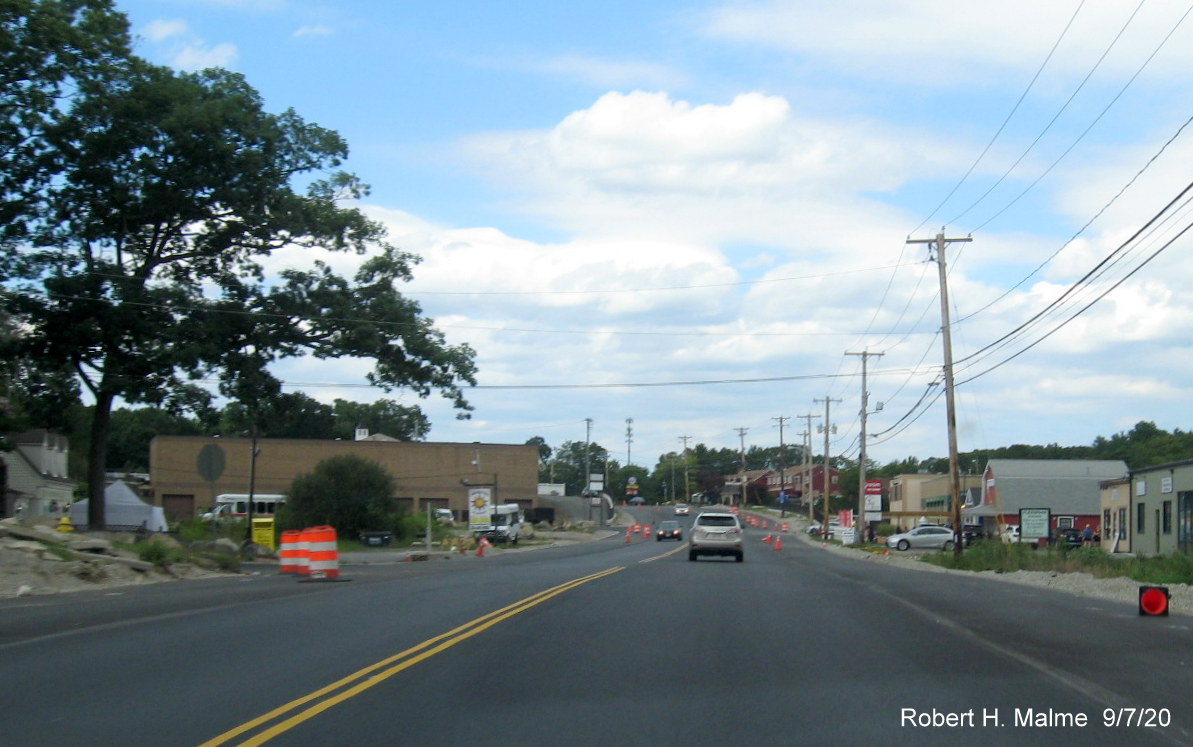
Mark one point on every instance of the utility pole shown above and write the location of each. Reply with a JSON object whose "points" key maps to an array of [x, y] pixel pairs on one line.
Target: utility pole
{"points": [[629, 440], [586, 481], [782, 467], [828, 483], [861, 478], [741, 434], [947, 342], [687, 490], [807, 467]]}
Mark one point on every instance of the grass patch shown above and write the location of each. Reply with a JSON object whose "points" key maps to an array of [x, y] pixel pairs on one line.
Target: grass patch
{"points": [[1010, 557]]}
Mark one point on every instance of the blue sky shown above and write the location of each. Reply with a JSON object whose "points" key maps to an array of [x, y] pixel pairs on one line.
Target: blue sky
{"points": [[659, 194]]}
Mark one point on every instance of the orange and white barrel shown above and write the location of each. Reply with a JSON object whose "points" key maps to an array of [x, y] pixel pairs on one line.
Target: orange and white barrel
{"points": [[290, 558], [323, 552]]}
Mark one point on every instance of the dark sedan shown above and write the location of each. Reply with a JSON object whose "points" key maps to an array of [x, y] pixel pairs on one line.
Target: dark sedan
{"points": [[669, 530]]}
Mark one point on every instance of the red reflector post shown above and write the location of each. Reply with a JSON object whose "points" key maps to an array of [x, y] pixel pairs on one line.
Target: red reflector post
{"points": [[1153, 601]]}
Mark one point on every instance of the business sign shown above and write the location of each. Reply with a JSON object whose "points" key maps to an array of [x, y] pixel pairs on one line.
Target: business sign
{"points": [[480, 509], [1035, 523], [873, 500]]}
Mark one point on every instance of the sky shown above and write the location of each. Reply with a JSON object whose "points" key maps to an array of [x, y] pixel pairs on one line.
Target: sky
{"points": [[696, 216]]}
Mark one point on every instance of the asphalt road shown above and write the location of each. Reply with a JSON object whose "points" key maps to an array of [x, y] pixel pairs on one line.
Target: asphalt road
{"points": [[597, 643]]}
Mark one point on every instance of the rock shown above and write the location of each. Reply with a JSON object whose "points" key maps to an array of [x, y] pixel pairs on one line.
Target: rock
{"points": [[29, 546], [84, 543], [223, 544]]}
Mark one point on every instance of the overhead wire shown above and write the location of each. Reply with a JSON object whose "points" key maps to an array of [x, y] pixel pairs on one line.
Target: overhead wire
{"points": [[1055, 116], [1091, 125], [1157, 220]]}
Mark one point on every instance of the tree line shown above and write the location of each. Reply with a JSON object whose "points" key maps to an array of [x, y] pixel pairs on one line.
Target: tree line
{"points": [[676, 475]]}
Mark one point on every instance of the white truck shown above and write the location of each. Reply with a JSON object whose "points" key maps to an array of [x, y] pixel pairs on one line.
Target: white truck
{"points": [[505, 524]]}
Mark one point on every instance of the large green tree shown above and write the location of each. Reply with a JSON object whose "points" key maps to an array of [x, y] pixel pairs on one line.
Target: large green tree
{"points": [[48, 49], [145, 271]]}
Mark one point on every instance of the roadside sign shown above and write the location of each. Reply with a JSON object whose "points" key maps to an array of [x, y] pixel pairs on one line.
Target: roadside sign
{"points": [[480, 509], [1035, 523]]}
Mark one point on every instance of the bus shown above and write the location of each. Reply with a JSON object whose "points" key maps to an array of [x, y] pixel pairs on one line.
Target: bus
{"points": [[236, 505]]}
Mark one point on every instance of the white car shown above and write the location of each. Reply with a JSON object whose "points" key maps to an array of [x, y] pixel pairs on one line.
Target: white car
{"points": [[716, 533], [682, 509]]}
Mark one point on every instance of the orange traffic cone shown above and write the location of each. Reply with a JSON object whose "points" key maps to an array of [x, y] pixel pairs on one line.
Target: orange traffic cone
{"points": [[767, 538], [646, 531], [627, 535], [778, 543], [481, 546]]}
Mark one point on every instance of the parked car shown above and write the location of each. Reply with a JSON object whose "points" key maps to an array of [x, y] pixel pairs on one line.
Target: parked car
{"points": [[923, 538], [669, 530], [716, 533], [1070, 537], [832, 527], [972, 533]]}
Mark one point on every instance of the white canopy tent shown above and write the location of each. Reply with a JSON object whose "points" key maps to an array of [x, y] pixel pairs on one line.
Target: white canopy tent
{"points": [[123, 509]]}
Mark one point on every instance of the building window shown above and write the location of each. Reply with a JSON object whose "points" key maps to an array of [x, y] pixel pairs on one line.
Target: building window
{"points": [[1140, 514], [1166, 517], [1122, 523]]}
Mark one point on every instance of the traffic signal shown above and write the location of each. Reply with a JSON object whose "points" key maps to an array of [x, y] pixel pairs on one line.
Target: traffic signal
{"points": [[1153, 601]]}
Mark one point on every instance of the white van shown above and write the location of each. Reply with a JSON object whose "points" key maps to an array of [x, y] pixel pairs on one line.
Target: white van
{"points": [[505, 524]]}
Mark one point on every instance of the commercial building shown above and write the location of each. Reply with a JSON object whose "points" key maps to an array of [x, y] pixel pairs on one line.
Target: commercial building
{"points": [[188, 472], [1162, 508]]}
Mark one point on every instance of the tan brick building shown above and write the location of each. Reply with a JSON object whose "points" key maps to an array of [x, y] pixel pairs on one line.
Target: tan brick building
{"points": [[434, 474]]}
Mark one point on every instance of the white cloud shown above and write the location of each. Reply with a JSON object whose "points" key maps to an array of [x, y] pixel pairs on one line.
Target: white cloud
{"points": [[945, 42], [313, 30], [750, 170], [605, 73], [183, 49], [200, 56], [164, 29]]}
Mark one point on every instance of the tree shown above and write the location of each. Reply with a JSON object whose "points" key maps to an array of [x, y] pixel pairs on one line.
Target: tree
{"points": [[544, 452], [383, 416], [145, 272], [47, 48], [347, 492], [569, 462], [294, 415], [133, 429]]}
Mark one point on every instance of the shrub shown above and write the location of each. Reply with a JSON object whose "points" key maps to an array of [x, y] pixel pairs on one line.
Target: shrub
{"points": [[158, 553]]}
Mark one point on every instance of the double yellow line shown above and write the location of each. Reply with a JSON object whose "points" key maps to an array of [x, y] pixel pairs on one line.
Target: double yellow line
{"points": [[374, 674]]}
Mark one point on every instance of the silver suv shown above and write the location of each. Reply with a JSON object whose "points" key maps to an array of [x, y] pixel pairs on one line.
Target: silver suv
{"points": [[716, 533]]}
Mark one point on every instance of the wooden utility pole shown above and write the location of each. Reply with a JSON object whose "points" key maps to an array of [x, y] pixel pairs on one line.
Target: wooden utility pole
{"points": [[827, 477], [687, 490], [741, 434], [806, 482], [947, 342], [782, 466], [861, 478]]}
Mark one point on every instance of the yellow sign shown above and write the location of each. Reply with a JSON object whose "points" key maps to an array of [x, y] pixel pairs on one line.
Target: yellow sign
{"points": [[263, 533]]}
